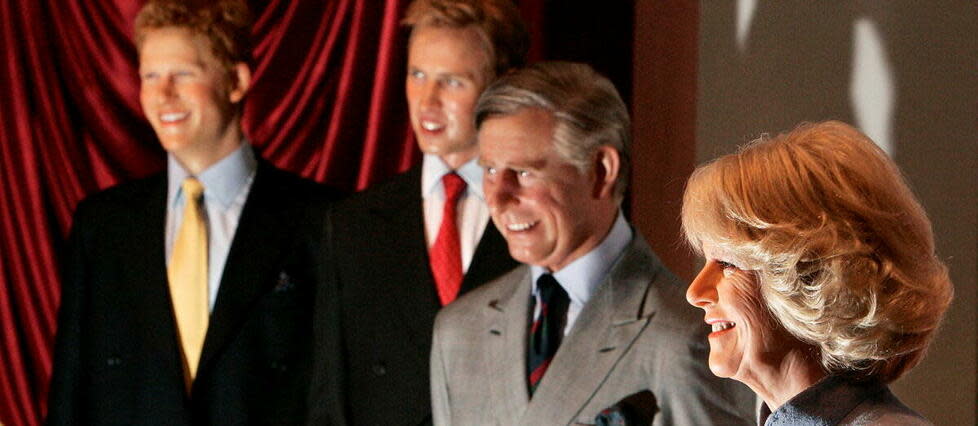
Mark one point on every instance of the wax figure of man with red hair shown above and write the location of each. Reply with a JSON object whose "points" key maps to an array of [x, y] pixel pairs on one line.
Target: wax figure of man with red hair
{"points": [[186, 296]]}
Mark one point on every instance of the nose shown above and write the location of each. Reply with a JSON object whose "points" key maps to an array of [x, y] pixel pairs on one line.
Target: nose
{"points": [[430, 95], [167, 88], [499, 189], [702, 292]]}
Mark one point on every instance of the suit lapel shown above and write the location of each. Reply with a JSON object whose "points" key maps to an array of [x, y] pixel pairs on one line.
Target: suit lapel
{"points": [[149, 260], [490, 260], [245, 274], [603, 332], [399, 212], [509, 316], [148, 290]]}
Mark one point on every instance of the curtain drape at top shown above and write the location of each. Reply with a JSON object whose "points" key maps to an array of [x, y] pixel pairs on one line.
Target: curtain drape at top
{"points": [[326, 102]]}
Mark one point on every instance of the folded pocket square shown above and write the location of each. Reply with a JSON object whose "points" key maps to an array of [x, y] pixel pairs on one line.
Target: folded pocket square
{"points": [[284, 283], [636, 409]]}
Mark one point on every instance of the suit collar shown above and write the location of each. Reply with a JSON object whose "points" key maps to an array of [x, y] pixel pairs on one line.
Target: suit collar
{"points": [[490, 260], [509, 316], [400, 193], [825, 403], [396, 212]]}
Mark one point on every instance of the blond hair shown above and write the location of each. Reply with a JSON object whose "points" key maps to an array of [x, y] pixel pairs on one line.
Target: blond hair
{"points": [[225, 24], [498, 23], [843, 252]]}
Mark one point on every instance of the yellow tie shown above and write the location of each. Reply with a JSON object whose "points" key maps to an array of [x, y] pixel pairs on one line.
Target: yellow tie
{"points": [[188, 278]]}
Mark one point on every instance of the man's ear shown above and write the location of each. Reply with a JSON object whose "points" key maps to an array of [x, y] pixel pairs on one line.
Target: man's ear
{"points": [[241, 83], [607, 166]]}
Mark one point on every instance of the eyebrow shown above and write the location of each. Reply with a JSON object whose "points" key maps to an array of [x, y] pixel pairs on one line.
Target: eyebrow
{"points": [[466, 74], [531, 165]]}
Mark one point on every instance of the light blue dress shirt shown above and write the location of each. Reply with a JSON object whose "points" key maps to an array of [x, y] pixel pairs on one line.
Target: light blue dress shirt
{"points": [[581, 278], [226, 186]]}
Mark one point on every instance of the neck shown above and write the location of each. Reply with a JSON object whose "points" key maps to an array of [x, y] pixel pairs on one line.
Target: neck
{"points": [[589, 243], [196, 161], [798, 370], [455, 160]]}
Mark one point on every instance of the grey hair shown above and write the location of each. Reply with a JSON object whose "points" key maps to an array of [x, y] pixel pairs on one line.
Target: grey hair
{"points": [[587, 108]]}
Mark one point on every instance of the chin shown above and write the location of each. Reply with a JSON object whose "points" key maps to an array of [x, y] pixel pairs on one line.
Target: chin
{"points": [[524, 256], [721, 367], [720, 371]]}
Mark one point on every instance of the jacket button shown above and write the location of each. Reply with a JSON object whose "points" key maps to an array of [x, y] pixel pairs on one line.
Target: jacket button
{"points": [[379, 369]]}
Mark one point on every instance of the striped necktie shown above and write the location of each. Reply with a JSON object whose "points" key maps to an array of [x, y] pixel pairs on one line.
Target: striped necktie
{"points": [[547, 330]]}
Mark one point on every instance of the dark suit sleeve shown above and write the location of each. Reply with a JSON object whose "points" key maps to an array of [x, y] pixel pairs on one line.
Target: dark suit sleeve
{"points": [[65, 380], [326, 400]]}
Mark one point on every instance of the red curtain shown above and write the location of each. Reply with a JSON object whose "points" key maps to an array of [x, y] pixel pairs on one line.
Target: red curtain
{"points": [[326, 102]]}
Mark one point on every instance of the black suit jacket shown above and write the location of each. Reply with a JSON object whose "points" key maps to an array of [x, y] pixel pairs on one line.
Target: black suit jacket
{"points": [[117, 357], [376, 310]]}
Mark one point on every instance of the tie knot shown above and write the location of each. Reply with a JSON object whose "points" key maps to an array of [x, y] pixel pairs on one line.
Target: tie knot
{"points": [[192, 188], [454, 185], [550, 288]]}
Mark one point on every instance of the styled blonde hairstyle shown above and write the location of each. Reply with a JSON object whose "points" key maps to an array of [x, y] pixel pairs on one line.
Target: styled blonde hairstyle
{"points": [[842, 251], [498, 22]]}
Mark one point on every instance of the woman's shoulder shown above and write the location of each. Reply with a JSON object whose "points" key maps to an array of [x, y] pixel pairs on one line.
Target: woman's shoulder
{"points": [[883, 408]]}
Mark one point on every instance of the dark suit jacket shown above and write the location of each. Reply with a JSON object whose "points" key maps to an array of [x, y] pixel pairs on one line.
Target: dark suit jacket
{"points": [[375, 314], [117, 357]]}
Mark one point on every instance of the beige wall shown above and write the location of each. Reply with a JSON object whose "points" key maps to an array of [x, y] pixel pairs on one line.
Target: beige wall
{"points": [[912, 84]]}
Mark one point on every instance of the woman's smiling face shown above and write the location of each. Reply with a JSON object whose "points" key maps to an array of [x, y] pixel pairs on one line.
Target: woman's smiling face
{"points": [[744, 335]]}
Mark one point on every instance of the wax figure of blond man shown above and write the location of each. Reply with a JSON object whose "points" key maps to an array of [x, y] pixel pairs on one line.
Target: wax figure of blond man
{"points": [[400, 251], [592, 317], [187, 308]]}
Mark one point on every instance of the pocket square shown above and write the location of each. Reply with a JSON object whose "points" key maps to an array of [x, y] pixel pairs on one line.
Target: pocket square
{"points": [[635, 409], [284, 283]]}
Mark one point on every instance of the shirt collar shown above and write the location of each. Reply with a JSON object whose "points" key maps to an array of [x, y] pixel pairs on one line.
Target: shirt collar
{"points": [[222, 181], [433, 169], [581, 278]]}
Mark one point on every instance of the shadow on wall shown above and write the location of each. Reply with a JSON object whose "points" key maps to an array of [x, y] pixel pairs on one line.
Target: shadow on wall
{"points": [[906, 73]]}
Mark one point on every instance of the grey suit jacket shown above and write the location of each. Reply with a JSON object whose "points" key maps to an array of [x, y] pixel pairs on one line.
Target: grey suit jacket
{"points": [[636, 333]]}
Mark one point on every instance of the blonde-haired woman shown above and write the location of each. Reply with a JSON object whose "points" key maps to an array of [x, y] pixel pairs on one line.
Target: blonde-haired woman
{"points": [[821, 283]]}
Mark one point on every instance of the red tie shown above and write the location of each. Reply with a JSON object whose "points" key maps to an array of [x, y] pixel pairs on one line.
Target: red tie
{"points": [[446, 254]]}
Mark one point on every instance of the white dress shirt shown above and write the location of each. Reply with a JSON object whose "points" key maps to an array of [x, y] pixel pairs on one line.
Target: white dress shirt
{"points": [[473, 214]]}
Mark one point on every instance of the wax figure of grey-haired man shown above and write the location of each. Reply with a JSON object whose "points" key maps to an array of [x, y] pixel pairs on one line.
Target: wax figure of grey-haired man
{"points": [[592, 317]]}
